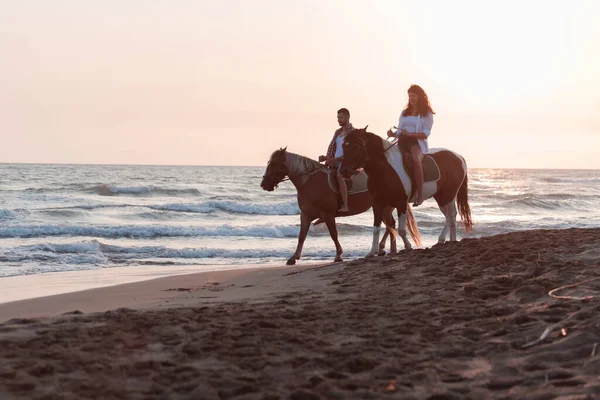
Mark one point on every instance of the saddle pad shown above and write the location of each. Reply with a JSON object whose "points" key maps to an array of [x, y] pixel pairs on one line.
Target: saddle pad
{"points": [[431, 171], [357, 184]]}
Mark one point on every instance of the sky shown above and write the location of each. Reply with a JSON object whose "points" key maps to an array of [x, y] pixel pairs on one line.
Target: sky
{"points": [[514, 83]]}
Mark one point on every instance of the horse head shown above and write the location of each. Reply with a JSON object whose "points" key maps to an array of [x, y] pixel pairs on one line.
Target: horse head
{"points": [[275, 172], [355, 152]]}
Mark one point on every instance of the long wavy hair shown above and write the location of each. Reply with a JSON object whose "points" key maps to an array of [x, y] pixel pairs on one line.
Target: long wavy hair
{"points": [[423, 105]]}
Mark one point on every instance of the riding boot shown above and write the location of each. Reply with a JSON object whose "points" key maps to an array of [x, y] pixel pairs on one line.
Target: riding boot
{"points": [[418, 172]]}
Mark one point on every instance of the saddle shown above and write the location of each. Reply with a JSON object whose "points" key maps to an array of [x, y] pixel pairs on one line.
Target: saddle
{"points": [[431, 171], [356, 184]]}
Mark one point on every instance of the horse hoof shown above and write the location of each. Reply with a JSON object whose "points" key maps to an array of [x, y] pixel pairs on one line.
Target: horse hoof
{"points": [[338, 259], [370, 255], [381, 253], [291, 261]]}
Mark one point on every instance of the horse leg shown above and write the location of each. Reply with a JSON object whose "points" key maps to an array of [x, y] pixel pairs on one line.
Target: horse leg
{"points": [[445, 211], [304, 226], [452, 219], [393, 238], [390, 231], [377, 217], [381, 249], [402, 229], [388, 220], [393, 246], [330, 221]]}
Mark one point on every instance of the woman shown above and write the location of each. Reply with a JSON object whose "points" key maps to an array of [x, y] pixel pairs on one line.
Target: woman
{"points": [[414, 127]]}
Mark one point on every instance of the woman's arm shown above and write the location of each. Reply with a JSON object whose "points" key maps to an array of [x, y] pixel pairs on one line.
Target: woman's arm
{"points": [[426, 125], [400, 120], [416, 135]]}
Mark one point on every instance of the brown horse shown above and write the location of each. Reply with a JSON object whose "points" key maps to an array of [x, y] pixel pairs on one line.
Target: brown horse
{"points": [[390, 185], [316, 199]]}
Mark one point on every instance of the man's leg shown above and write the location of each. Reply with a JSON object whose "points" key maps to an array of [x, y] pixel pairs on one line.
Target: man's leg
{"points": [[344, 192]]}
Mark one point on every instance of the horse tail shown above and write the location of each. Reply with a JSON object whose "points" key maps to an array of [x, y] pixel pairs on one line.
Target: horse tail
{"points": [[411, 225], [462, 200]]}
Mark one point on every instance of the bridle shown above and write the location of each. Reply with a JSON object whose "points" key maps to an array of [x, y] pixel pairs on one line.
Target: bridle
{"points": [[280, 170], [284, 174], [363, 150]]}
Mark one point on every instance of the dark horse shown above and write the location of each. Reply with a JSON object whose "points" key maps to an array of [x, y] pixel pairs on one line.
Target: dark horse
{"points": [[316, 199], [390, 185]]}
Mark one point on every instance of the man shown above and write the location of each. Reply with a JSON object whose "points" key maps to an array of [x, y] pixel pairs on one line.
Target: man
{"points": [[335, 153]]}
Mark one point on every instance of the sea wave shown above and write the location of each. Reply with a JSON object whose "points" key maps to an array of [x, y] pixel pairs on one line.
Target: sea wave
{"points": [[111, 190], [156, 231], [96, 253], [127, 252], [104, 189], [206, 207], [236, 207], [6, 214], [558, 202], [579, 181]]}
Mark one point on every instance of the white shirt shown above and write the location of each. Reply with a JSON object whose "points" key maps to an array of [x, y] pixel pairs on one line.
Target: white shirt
{"points": [[339, 150], [414, 124]]}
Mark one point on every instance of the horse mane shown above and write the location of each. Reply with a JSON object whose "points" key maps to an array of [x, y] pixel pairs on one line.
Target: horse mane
{"points": [[375, 144], [298, 164]]}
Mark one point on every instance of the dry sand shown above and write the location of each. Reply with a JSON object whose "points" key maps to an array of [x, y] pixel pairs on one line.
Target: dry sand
{"points": [[460, 320]]}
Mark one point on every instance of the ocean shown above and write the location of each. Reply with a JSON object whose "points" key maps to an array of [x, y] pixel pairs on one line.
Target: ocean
{"points": [[81, 217]]}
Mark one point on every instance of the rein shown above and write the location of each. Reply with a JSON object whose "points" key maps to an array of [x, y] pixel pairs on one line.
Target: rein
{"points": [[303, 174], [287, 177], [393, 143]]}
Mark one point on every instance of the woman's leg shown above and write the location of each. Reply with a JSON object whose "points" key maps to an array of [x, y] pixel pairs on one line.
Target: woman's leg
{"points": [[417, 159]]}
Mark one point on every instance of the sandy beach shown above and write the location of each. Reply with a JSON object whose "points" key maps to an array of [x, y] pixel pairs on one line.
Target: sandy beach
{"points": [[476, 319]]}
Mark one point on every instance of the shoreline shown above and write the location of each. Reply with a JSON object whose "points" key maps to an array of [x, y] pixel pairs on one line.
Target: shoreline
{"points": [[142, 287], [24, 287]]}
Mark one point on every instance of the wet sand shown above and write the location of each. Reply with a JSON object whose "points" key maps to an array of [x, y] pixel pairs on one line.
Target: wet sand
{"points": [[473, 319]]}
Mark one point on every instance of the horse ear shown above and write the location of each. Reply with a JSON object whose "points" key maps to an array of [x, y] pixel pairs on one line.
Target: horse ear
{"points": [[284, 149], [365, 128]]}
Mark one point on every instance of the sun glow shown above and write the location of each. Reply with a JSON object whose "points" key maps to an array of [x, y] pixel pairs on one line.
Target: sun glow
{"points": [[157, 82]]}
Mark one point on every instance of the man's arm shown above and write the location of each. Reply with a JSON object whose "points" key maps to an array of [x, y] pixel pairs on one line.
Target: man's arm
{"points": [[332, 160]]}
